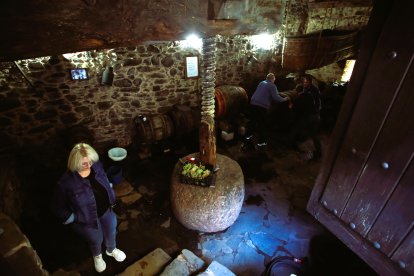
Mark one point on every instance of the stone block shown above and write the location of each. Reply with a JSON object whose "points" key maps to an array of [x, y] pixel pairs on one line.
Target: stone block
{"points": [[185, 264], [215, 268], [122, 189], [23, 262], [12, 238], [151, 264], [131, 198]]}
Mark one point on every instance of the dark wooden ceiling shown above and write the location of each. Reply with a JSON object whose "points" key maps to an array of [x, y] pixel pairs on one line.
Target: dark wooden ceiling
{"points": [[34, 28]]}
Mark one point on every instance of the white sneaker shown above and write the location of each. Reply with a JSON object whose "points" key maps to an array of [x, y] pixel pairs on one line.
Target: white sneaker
{"points": [[99, 262], [117, 254]]}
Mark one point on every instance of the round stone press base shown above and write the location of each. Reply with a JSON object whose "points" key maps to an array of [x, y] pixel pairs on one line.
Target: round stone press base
{"points": [[209, 209]]}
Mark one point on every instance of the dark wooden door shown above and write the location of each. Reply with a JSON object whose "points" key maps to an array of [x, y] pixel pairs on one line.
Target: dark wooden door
{"points": [[365, 191]]}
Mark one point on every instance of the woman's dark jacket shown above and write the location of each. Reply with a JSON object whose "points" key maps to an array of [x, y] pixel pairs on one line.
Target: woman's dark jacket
{"points": [[74, 195]]}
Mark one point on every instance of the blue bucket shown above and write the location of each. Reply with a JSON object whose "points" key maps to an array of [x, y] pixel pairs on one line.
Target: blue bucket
{"points": [[114, 174]]}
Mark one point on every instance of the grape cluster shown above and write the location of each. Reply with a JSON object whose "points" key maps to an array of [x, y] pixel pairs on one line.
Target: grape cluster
{"points": [[195, 171]]}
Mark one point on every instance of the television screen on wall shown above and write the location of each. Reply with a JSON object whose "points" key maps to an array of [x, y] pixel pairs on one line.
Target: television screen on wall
{"points": [[79, 74]]}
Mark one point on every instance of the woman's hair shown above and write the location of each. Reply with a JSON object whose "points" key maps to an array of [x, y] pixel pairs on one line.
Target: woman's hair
{"points": [[78, 152]]}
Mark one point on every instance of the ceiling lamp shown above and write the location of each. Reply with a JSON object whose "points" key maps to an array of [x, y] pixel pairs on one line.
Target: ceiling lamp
{"points": [[192, 41], [262, 41]]}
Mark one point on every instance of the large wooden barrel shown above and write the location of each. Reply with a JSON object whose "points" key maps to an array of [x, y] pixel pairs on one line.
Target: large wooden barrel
{"points": [[185, 119], [153, 128], [229, 100], [314, 50]]}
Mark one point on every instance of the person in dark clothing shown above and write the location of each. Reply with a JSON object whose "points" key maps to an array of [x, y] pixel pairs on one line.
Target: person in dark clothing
{"points": [[260, 103], [84, 199], [306, 109]]}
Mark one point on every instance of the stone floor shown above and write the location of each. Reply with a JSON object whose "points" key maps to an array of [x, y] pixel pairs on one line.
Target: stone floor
{"points": [[273, 220]]}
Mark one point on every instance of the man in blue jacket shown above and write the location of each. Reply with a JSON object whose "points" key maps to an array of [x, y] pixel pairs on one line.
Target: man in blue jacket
{"points": [[265, 95]]}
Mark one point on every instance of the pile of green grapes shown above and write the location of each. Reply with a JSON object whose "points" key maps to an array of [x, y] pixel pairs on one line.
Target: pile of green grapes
{"points": [[195, 171]]}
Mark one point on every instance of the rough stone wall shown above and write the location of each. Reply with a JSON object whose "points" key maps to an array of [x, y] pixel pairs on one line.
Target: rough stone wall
{"points": [[240, 62], [330, 73], [268, 12], [307, 16], [337, 16], [296, 17], [148, 79], [38, 96]]}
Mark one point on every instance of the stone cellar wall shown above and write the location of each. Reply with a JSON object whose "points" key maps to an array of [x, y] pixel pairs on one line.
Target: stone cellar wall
{"points": [[352, 15], [329, 73], [307, 16], [38, 96]]}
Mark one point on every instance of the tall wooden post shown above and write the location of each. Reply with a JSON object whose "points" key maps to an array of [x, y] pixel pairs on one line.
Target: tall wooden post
{"points": [[207, 134]]}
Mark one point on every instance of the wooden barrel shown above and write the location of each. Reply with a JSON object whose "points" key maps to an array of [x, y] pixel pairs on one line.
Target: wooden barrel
{"points": [[229, 100], [185, 119], [153, 128], [314, 50]]}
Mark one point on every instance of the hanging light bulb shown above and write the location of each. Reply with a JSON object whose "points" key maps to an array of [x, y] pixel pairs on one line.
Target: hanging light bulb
{"points": [[263, 41], [192, 41]]}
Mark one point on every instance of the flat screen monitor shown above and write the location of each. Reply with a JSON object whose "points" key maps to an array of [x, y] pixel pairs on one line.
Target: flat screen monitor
{"points": [[79, 74]]}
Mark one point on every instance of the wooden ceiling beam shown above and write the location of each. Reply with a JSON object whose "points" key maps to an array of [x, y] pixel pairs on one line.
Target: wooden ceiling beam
{"points": [[43, 28]]}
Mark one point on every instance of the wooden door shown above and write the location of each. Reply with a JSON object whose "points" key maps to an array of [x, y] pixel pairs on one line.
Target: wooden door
{"points": [[365, 191]]}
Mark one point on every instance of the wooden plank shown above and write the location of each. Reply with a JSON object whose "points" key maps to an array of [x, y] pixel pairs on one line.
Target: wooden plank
{"points": [[371, 109], [397, 216], [45, 28], [363, 248], [387, 162], [404, 256], [370, 38], [314, 50]]}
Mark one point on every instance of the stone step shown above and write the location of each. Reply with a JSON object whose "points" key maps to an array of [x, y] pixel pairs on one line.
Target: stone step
{"points": [[185, 264], [215, 268], [151, 264], [124, 188], [158, 262]]}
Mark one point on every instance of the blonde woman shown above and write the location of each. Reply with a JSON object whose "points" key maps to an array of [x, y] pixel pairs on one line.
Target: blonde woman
{"points": [[84, 199]]}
